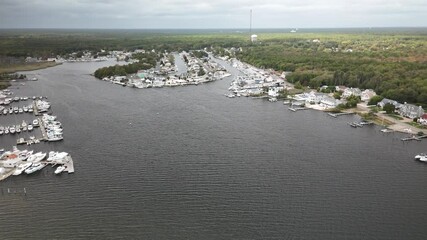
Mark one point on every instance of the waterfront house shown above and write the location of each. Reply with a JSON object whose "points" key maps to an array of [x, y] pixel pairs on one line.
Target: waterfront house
{"points": [[392, 102], [329, 102], [367, 95], [351, 91], [411, 111]]}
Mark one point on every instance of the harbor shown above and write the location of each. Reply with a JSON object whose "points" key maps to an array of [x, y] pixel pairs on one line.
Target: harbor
{"points": [[17, 162], [33, 124]]}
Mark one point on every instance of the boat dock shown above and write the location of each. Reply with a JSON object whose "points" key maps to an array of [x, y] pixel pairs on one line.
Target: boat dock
{"points": [[413, 137], [297, 109], [69, 164], [335, 115]]}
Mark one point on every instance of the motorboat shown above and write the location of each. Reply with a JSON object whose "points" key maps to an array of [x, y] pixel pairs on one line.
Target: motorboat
{"points": [[22, 168], [37, 157], [35, 167], [59, 169], [36, 122], [20, 110], [12, 130], [56, 156], [25, 154], [30, 127]]}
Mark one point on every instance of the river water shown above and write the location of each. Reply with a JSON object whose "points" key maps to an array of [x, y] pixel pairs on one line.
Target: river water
{"points": [[189, 163]]}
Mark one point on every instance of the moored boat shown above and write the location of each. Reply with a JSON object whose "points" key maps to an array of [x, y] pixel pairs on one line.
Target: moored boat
{"points": [[35, 167], [59, 169], [22, 168]]}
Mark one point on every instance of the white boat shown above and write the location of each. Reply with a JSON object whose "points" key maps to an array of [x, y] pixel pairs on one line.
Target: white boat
{"points": [[59, 169], [37, 157], [21, 110], [35, 122], [22, 168], [24, 124], [25, 154], [12, 130], [34, 168], [30, 127], [56, 156]]}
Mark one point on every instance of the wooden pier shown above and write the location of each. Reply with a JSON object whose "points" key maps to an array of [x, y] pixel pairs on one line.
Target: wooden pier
{"points": [[297, 109], [335, 115]]}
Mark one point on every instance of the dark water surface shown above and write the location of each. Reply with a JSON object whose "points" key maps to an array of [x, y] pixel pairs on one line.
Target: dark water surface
{"points": [[189, 163]]}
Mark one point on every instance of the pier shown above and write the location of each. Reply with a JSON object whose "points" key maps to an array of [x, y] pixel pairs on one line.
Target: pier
{"points": [[297, 109], [335, 115]]}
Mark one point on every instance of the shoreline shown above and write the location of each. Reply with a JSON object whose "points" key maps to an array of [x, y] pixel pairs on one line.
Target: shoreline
{"points": [[23, 68]]}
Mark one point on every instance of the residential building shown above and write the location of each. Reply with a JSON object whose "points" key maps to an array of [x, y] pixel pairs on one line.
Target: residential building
{"points": [[411, 111], [367, 95]]}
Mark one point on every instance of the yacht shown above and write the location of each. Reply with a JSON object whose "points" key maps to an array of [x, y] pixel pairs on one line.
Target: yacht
{"points": [[22, 168], [12, 130], [5, 111], [35, 167], [37, 157], [18, 129], [6, 130], [55, 137], [25, 154], [25, 108], [20, 110], [59, 169], [24, 124], [55, 156], [1, 132], [30, 127]]}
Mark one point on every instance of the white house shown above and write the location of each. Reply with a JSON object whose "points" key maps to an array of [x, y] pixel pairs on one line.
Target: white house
{"points": [[351, 91], [367, 95], [330, 102]]}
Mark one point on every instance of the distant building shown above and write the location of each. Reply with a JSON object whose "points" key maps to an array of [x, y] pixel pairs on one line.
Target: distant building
{"points": [[254, 38]]}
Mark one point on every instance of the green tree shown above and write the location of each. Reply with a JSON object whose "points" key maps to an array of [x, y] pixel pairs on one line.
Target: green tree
{"points": [[389, 108], [375, 99]]}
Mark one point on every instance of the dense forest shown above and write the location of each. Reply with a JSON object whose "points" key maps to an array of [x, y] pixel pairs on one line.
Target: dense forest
{"points": [[146, 61], [394, 64]]}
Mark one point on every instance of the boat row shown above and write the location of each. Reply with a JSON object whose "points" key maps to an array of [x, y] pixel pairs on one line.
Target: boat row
{"points": [[53, 128], [19, 127], [9, 100], [29, 162], [16, 110]]}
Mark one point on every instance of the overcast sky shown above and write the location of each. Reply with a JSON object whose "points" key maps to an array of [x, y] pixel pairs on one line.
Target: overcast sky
{"points": [[211, 13]]}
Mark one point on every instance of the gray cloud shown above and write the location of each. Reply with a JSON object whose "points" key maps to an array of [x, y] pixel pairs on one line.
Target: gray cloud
{"points": [[211, 14]]}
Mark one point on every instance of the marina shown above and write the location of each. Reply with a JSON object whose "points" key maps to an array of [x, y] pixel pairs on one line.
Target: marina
{"points": [[17, 162]]}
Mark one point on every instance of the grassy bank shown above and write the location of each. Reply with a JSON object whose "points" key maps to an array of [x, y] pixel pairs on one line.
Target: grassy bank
{"points": [[12, 68]]}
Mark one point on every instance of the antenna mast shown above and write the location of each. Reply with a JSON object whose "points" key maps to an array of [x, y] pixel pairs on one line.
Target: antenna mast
{"points": [[250, 23]]}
